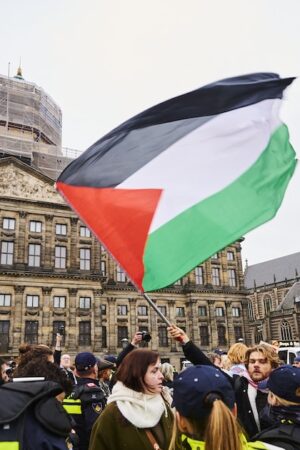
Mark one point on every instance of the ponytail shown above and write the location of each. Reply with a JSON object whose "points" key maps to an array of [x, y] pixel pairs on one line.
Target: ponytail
{"points": [[222, 431]]}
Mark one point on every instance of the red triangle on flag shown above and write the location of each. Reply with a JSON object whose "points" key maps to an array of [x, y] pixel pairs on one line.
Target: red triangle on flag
{"points": [[120, 218]]}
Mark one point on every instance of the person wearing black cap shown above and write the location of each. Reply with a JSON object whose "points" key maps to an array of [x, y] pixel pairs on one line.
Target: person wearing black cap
{"points": [[88, 399], [204, 401], [296, 362], [284, 401]]}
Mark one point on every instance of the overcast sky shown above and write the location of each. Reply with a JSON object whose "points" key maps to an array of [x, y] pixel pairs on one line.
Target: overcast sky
{"points": [[104, 61]]}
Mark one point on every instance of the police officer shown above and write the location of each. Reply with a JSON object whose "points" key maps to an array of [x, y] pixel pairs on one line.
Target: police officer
{"points": [[87, 399]]}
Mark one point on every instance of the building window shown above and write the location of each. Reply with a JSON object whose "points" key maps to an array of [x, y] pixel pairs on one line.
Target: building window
{"points": [[85, 259], [215, 256], [180, 311], [5, 299], [199, 275], [232, 277], [85, 302], [59, 301], [104, 337], [215, 272], [142, 310], [34, 255], [162, 309], [236, 312], [32, 301], [103, 268], [85, 232], [230, 256], [4, 336], [162, 337], [286, 331], [84, 333], [221, 335], [31, 331], [204, 336], [103, 309], [202, 311], [250, 310], [35, 226], [61, 229], [121, 277], [60, 257], [7, 253], [57, 328], [220, 311], [9, 223], [122, 334], [238, 333], [267, 304], [122, 310]]}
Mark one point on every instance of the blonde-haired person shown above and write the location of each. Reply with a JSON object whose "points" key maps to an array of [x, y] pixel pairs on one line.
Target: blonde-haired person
{"points": [[236, 358], [284, 401], [205, 407]]}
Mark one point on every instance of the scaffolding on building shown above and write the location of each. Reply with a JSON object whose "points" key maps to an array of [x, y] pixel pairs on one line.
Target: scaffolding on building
{"points": [[31, 126]]}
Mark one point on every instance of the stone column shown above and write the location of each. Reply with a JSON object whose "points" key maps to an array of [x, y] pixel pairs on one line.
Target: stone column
{"points": [[172, 318], [132, 318], [213, 324], [18, 328], [229, 323], [49, 245], [74, 248], [97, 341], [72, 331], [46, 331], [112, 325]]}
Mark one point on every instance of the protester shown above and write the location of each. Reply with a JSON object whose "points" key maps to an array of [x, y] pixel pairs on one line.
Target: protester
{"points": [[137, 416], [236, 358], [206, 413], [250, 391], [215, 359], [104, 373], [296, 362], [87, 400], [284, 400], [136, 340], [168, 372], [4, 374], [32, 409], [65, 365]]}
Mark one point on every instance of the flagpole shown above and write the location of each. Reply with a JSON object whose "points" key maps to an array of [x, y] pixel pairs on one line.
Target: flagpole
{"points": [[151, 303]]}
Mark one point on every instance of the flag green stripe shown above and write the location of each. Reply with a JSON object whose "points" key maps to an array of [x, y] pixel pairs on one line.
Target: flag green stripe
{"points": [[179, 245]]}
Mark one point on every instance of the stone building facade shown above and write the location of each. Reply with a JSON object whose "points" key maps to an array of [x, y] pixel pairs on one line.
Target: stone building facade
{"points": [[274, 300], [54, 272]]}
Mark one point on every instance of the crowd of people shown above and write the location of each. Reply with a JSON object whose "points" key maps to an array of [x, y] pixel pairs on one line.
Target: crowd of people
{"points": [[245, 398]]}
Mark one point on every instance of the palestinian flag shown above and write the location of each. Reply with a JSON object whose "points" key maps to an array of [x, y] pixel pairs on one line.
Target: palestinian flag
{"points": [[173, 185]]}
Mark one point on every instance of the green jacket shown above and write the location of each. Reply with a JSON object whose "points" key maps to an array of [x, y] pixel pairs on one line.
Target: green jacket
{"points": [[191, 444], [112, 431]]}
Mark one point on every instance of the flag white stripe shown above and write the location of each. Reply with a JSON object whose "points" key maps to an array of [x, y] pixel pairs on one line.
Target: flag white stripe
{"points": [[208, 159]]}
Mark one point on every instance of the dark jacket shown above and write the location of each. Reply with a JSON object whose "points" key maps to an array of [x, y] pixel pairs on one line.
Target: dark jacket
{"points": [[285, 435], [240, 386], [113, 432], [36, 419], [85, 404]]}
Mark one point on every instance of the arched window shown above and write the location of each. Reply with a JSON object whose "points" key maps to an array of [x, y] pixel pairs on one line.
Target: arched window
{"points": [[286, 331], [267, 304]]}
